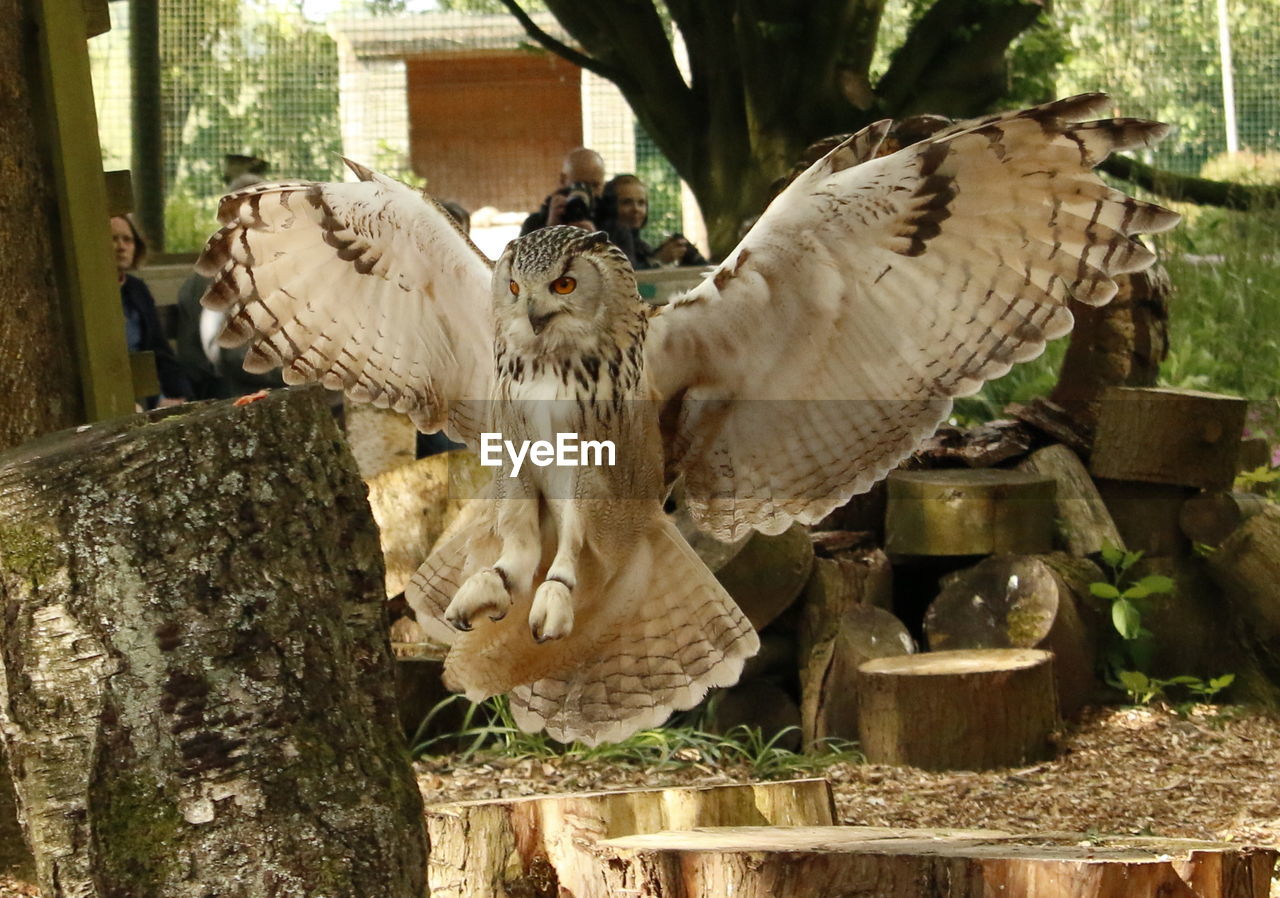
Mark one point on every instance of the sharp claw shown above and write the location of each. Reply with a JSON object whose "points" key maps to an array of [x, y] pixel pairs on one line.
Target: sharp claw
{"points": [[497, 617], [464, 626]]}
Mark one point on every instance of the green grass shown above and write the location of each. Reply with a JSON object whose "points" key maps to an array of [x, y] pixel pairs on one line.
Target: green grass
{"points": [[488, 728]]}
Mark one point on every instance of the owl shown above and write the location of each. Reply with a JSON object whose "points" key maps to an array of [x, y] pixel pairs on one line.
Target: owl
{"points": [[872, 291]]}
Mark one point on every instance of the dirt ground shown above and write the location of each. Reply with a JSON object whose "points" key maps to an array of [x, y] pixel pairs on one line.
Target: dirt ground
{"points": [[1207, 773]]}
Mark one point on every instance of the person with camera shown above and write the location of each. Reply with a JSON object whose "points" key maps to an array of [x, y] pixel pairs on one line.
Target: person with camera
{"points": [[573, 202], [623, 210]]}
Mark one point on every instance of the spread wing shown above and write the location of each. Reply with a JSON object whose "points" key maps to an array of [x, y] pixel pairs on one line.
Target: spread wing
{"points": [[366, 287], [833, 338]]}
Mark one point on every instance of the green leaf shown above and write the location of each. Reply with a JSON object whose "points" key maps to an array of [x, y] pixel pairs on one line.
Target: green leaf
{"points": [[1127, 620], [1104, 590], [1154, 583], [1130, 559], [1222, 682], [1134, 681], [1112, 555], [1137, 591]]}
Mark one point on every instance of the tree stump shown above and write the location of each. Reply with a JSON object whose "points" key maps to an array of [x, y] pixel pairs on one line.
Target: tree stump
{"points": [[1180, 437], [413, 503], [550, 845], [841, 861], [1024, 602], [1081, 519], [196, 689], [1209, 518], [964, 710], [965, 512], [844, 624]]}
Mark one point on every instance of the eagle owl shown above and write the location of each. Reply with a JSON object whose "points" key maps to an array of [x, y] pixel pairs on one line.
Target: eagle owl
{"points": [[818, 355]]}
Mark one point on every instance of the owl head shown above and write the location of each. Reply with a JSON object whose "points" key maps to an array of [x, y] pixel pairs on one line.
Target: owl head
{"points": [[561, 288]]}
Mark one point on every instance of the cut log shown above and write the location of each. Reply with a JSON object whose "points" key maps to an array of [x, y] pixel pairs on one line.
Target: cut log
{"points": [[1210, 518], [843, 623], [1024, 601], [550, 845], [768, 573], [414, 502], [837, 862], [381, 439], [1081, 520], [1180, 437], [1147, 515], [964, 710], [968, 512], [1255, 452], [195, 683], [1247, 566], [864, 512]]}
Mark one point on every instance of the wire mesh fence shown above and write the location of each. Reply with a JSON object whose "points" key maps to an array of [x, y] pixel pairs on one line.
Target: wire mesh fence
{"points": [[463, 105]]}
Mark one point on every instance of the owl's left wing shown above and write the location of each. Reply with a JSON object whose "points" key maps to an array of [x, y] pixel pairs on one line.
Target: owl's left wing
{"points": [[367, 287], [869, 294]]}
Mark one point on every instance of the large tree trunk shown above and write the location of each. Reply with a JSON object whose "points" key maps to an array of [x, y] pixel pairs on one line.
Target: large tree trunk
{"points": [[39, 391], [196, 688]]}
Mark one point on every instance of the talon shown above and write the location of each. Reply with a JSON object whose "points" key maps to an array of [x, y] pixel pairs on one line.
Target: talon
{"points": [[497, 617], [484, 591], [462, 625], [551, 616]]}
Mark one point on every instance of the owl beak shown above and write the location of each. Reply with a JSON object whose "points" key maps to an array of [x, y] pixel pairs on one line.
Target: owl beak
{"points": [[539, 320]]}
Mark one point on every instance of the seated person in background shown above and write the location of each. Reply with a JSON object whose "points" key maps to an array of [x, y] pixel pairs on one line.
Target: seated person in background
{"points": [[624, 210], [581, 178], [143, 331]]}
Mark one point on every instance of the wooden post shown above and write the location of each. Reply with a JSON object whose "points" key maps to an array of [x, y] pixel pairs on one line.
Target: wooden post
{"points": [[196, 690], [549, 845], [145, 81], [964, 710], [85, 274]]}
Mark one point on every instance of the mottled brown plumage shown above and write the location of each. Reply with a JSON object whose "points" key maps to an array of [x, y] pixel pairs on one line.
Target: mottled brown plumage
{"points": [[873, 290]]}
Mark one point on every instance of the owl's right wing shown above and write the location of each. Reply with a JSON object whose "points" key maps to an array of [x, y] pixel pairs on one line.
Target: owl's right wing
{"points": [[366, 287], [872, 291]]}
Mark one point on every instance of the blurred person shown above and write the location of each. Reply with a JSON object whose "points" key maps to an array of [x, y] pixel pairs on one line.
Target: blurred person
{"points": [[624, 211], [143, 331], [581, 180]]}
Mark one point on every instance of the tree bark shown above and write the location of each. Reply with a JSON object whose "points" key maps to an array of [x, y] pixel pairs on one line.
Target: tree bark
{"points": [[964, 710], [39, 390], [835, 862], [196, 688], [1247, 566], [550, 845]]}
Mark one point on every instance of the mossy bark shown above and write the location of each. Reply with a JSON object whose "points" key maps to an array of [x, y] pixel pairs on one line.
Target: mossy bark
{"points": [[196, 687]]}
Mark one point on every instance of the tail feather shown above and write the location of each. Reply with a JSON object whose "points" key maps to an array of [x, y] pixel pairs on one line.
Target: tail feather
{"points": [[648, 639]]}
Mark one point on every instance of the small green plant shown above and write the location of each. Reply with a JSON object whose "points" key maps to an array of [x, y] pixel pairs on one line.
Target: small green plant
{"points": [[1128, 661], [490, 728], [1264, 476], [1143, 689], [1129, 601]]}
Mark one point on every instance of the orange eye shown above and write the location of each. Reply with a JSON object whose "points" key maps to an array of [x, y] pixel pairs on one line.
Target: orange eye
{"points": [[515, 288], [564, 285]]}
